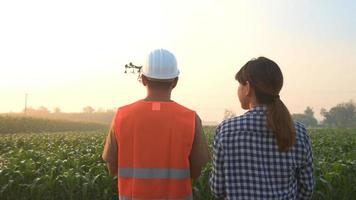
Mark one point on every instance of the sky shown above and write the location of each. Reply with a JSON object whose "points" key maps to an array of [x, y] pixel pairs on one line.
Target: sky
{"points": [[71, 53]]}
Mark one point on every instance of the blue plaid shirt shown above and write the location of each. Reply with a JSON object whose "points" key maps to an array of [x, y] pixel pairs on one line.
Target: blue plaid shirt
{"points": [[248, 165]]}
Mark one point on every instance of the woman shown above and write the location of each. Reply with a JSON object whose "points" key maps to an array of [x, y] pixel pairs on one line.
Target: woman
{"points": [[261, 154]]}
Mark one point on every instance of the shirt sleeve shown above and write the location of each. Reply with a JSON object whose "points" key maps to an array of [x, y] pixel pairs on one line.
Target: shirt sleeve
{"points": [[217, 180], [304, 174], [110, 152], [199, 154]]}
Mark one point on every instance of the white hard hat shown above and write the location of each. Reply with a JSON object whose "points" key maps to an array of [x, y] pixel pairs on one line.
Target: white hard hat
{"points": [[161, 64]]}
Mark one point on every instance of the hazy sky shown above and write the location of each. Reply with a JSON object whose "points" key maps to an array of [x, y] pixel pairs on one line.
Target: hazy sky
{"points": [[72, 53]]}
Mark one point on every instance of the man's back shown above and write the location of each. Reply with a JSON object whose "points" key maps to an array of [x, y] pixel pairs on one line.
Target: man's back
{"points": [[155, 140]]}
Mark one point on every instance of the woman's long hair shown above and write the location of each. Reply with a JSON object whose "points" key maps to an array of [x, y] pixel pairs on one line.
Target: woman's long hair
{"points": [[266, 78]]}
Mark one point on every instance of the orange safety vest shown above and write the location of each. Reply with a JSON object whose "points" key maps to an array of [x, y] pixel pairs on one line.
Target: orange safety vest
{"points": [[154, 143]]}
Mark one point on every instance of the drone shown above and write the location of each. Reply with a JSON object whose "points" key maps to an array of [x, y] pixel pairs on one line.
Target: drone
{"points": [[135, 69]]}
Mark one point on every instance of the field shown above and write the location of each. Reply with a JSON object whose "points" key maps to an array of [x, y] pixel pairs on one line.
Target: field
{"points": [[25, 124], [68, 165]]}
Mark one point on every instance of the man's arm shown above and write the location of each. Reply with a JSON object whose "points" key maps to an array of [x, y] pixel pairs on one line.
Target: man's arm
{"points": [[199, 155], [110, 152]]}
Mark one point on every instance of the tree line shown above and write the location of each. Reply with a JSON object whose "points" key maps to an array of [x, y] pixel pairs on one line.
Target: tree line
{"points": [[342, 115], [24, 124], [87, 114]]}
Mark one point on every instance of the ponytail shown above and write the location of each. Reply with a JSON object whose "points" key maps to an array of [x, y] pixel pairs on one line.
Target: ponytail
{"points": [[280, 122]]}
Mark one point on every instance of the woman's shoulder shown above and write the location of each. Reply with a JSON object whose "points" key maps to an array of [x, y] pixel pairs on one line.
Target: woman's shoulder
{"points": [[302, 135], [243, 123], [300, 129], [232, 123]]}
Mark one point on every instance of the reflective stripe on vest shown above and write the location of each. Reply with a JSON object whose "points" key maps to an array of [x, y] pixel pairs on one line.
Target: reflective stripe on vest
{"points": [[154, 173], [129, 198]]}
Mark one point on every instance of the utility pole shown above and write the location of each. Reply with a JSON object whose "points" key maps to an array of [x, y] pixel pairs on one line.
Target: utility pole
{"points": [[25, 110]]}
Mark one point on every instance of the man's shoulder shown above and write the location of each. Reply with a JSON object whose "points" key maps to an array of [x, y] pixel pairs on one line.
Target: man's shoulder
{"points": [[128, 106], [184, 107], [138, 104]]}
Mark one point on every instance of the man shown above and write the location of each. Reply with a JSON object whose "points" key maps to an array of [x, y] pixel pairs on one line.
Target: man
{"points": [[155, 145]]}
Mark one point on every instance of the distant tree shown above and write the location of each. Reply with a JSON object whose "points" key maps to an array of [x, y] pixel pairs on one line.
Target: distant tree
{"points": [[29, 110], [309, 111], [308, 121], [37, 112], [110, 110], [307, 118], [341, 115], [43, 110], [100, 110], [323, 111], [229, 114], [88, 109], [56, 110], [329, 120]]}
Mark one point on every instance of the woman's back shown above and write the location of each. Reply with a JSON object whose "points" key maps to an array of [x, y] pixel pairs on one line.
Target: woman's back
{"points": [[254, 168], [262, 154]]}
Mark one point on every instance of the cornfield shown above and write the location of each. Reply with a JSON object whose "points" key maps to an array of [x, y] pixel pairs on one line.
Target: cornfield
{"points": [[68, 165]]}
